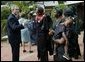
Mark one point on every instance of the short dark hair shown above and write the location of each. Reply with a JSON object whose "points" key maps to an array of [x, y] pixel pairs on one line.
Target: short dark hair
{"points": [[68, 12], [40, 10], [59, 12]]}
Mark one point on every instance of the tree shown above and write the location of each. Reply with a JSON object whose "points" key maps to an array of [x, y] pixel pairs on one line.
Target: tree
{"points": [[3, 27], [5, 11]]}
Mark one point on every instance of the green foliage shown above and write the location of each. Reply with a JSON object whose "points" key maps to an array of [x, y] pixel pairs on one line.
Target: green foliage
{"points": [[53, 14], [61, 6], [5, 11], [3, 27]]}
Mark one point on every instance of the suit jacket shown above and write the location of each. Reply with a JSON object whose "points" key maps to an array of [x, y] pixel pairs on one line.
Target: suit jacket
{"points": [[13, 28]]}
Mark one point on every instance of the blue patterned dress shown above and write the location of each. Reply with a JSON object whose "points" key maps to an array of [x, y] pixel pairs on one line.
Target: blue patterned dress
{"points": [[25, 37]]}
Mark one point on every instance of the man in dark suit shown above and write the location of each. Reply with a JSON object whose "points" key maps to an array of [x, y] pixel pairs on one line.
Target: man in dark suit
{"points": [[13, 28]]}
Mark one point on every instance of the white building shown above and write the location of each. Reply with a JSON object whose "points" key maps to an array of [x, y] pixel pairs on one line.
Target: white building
{"points": [[47, 3], [72, 2]]}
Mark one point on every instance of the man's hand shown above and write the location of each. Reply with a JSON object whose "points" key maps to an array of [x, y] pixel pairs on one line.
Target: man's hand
{"points": [[51, 32]]}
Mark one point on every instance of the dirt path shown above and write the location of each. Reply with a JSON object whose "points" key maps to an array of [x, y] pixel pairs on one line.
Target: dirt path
{"points": [[7, 56]]}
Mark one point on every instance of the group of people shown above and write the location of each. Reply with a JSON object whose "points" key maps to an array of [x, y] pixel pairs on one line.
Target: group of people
{"points": [[59, 37]]}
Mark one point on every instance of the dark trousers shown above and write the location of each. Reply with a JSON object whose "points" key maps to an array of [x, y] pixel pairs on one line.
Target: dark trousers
{"points": [[15, 51], [44, 57], [42, 48], [59, 53]]}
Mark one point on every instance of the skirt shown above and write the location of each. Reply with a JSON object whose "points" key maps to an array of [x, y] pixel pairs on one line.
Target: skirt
{"points": [[25, 36]]}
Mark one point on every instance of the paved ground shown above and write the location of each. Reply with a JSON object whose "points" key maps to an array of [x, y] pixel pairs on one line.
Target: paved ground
{"points": [[7, 56]]}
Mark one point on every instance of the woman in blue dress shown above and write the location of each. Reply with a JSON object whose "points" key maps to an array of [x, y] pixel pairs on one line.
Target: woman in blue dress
{"points": [[25, 38], [32, 34]]}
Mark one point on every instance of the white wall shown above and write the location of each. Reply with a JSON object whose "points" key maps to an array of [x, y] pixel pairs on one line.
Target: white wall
{"points": [[72, 2]]}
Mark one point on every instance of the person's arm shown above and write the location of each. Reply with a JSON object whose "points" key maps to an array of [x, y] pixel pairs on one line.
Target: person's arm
{"points": [[50, 25], [50, 22], [51, 32], [59, 41], [63, 39], [13, 24]]}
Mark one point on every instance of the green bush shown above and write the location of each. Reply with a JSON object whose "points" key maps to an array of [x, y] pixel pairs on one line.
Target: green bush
{"points": [[3, 27], [5, 11], [62, 6]]}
